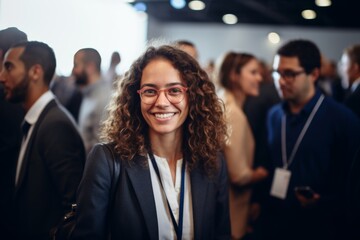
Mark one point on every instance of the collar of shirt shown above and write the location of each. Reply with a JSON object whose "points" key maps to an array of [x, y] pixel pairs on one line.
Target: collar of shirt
{"points": [[34, 112], [307, 108], [172, 193], [355, 84]]}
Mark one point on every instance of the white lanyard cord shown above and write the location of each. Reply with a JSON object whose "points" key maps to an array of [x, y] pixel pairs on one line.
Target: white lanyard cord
{"points": [[287, 163]]}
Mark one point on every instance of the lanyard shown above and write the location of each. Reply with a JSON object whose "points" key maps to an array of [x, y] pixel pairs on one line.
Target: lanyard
{"points": [[177, 226], [286, 162]]}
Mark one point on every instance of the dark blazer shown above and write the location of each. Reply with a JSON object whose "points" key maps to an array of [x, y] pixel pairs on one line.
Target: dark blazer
{"points": [[352, 101], [133, 213], [11, 116], [51, 171], [353, 200]]}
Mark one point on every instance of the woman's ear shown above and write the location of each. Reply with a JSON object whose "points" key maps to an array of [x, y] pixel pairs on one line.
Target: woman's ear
{"points": [[356, 67], [233, 77]]}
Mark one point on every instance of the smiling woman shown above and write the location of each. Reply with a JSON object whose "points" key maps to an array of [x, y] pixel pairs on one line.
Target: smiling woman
{"points": [[164, 113], [167, 128]]}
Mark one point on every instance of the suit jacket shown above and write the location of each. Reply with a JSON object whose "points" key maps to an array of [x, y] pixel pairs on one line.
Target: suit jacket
{"points": [[11, 116], [133, 211], [51, 171], [353, 101], [353, 199]]}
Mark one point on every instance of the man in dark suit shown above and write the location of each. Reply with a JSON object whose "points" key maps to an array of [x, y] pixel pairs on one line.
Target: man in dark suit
{"points": [[11, 116], [350, 63], [51, 158]]}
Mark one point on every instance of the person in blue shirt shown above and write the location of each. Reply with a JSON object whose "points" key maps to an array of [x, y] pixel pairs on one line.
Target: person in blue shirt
{"points": [[312, 140]]}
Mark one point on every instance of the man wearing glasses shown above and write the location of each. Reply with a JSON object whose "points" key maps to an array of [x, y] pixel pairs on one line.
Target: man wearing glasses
{"points": [[312, 140]]}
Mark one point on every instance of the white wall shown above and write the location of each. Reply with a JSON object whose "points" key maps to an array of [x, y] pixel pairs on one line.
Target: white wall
{"points": [[213, 40], [68, 25]]}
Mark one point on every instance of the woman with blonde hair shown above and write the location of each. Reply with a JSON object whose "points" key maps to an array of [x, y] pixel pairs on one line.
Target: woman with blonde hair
{"points": [[239, 76], [166, 128]]}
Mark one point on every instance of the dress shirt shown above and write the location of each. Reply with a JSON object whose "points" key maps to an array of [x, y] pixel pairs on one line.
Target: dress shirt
{"points": [[173, 195], [354, 85], [92, 111], [31, 117]]}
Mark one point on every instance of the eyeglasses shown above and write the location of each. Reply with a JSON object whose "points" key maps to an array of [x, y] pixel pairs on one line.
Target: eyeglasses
{"points": [[175, 94], [288, 76]]}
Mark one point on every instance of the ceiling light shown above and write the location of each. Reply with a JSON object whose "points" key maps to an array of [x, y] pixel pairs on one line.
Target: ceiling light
{"points": [[274, 38], [140, 7], [230, 19], [323, 3], [178, 4], [196, 5], [308, 14]]}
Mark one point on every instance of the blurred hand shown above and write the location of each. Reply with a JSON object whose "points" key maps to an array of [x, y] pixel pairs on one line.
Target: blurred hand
{"points": [[308, 202], [261, 173]]}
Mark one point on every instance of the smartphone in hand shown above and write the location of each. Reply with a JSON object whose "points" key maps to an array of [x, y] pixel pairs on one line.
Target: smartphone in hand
{"points": [[305, 191]]}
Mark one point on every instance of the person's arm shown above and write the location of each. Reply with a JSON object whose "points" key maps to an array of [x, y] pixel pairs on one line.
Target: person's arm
{"points": [[93, 197], [222, 204], [238, 151], [236, 148]]}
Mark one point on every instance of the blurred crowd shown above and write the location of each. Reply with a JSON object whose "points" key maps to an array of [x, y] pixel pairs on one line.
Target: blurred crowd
{"points": [[290, 151]]}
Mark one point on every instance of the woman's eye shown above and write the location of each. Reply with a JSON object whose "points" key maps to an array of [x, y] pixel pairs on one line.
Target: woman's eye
{"points": [[174, 90], [149, 92]]}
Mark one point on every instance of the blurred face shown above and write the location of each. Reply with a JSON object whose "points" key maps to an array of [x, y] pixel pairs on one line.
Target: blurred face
{"points": [[249, 78], [1, 60], [348, 70], [190, 50], [78, 71], [14, 76], [163, 116], [291, 81]]}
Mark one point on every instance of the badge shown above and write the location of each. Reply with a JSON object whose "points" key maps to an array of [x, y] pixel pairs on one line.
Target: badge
{"points": [[280, 183]]}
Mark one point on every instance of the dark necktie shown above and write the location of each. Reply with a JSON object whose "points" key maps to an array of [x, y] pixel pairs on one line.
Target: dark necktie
{"points": [[25, 126]]}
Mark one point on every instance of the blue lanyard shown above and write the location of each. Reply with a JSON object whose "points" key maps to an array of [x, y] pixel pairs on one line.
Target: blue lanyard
{"points": [[177, 226], [286, 162]]}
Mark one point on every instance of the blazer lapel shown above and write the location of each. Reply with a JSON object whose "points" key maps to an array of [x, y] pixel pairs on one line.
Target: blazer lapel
{"points": [[141, 181], [199, 185], [29, 147]]}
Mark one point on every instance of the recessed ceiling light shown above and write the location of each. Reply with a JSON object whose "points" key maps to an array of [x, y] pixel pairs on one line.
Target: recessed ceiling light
{"points": [[230, 19], [196, 5], [274, 38], [140, 7], [308, 14], [178, 4], [323, 3]]}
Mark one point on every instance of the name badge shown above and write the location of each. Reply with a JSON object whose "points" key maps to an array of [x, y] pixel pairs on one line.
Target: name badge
{"points": [[280, 183]]}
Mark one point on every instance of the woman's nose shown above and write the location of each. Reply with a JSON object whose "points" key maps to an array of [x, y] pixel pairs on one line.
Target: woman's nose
{"points": [[162, 98]]}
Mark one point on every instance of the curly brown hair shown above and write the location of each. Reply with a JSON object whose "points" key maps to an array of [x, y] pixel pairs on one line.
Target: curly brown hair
{"points": [[204, 128]]}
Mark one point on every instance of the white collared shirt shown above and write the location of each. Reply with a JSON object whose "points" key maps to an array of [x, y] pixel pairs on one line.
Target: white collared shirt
{"points": [[173, 195], [31, 117], [355, 84], [92, 111]]}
